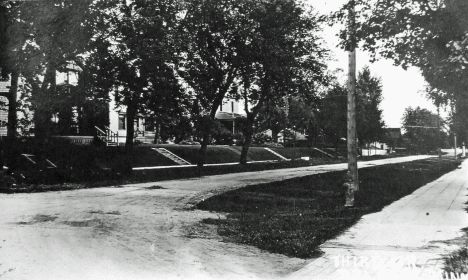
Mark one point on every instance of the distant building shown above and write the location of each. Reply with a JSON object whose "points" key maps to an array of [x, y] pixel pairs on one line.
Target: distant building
{"points": [[393, 139]]}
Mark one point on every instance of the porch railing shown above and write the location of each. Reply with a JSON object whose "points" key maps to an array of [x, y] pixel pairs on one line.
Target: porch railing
{"points": [[107, 135]]}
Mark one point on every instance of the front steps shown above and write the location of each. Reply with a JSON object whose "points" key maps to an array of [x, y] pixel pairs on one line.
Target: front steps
{"points": [[171, 156]]}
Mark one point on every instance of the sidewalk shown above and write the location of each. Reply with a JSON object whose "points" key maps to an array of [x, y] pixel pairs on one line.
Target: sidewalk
{"points": [[406, 240]]}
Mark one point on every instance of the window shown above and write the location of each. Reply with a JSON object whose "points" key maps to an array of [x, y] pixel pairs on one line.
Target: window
{"points": [[121, 122]]}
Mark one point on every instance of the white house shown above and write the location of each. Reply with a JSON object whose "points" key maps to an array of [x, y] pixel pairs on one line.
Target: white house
{"points": [[375, 148], [118, 124], [230, 111]]}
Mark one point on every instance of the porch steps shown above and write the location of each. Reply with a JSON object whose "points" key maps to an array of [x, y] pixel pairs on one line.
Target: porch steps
{"points": [[107, 136], [276, 154], [171, 156]]}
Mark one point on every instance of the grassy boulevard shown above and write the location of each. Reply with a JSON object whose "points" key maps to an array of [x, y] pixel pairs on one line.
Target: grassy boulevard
{"points": [[295, 216], [175, 173]]}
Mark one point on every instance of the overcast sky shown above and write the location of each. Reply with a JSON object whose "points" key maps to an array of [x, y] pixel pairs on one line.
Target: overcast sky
{"points": [[401, 88]]}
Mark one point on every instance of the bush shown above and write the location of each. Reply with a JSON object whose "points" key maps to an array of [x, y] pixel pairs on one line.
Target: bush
{"points": [[239, 139], [261, 138], [6, 181]]}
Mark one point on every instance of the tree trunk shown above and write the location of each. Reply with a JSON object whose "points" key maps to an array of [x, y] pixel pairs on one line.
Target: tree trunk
{"points": [[131, 113], [206, 128], [248, 128], [248, 133], [12, 101], [130, 129], [204, 144], [157, 132], [41, 96]]}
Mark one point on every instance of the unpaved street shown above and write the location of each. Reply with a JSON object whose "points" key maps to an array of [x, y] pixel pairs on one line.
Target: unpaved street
{"points": [[141, 231]]}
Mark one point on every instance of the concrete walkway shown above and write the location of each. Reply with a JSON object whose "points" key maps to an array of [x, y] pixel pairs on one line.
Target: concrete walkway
{"points": [[406, 240]]}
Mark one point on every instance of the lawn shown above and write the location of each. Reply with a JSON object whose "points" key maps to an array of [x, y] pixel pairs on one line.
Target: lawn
{"points": [[295, 153], [295, 216], [146, 157], [142, 157], [214, 154], [257, 153], [456, 264]]}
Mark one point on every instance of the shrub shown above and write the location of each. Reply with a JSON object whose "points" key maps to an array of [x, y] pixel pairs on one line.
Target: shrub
{"points": [[239, 139], [261, 138], [220, 134], [6, 181]]}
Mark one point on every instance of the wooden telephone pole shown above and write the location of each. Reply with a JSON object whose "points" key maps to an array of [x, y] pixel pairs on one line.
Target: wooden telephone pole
{"points": [[353, 186], [352, 141]]}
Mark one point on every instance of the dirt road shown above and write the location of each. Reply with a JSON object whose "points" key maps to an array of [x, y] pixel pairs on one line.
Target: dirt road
{"points": [[141, 231]]}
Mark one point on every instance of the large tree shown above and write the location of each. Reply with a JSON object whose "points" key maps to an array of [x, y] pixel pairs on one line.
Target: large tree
{"points": [[332, 114], [430, 35], [370, 124], [212, 33], [421, 129], [284, 58], [132, 55], [43, 36]]}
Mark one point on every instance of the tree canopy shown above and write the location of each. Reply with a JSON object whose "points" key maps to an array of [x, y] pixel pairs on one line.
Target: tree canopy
{"points": [[369, 120], [285, 58], [370, 124], [421, 130], [430, 35]]}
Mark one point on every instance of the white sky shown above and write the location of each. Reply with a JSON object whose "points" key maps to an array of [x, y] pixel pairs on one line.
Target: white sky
{"points": [[401, 88]]}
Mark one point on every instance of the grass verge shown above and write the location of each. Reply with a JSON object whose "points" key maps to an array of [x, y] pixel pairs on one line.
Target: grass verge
{"points": [[293, 217], [456, 264], [155, 175]]}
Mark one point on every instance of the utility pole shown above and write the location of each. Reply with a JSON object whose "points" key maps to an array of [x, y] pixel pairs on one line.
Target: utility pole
{"points": [[439, 153], [352, 143], [352, 175], [455, 143]]}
